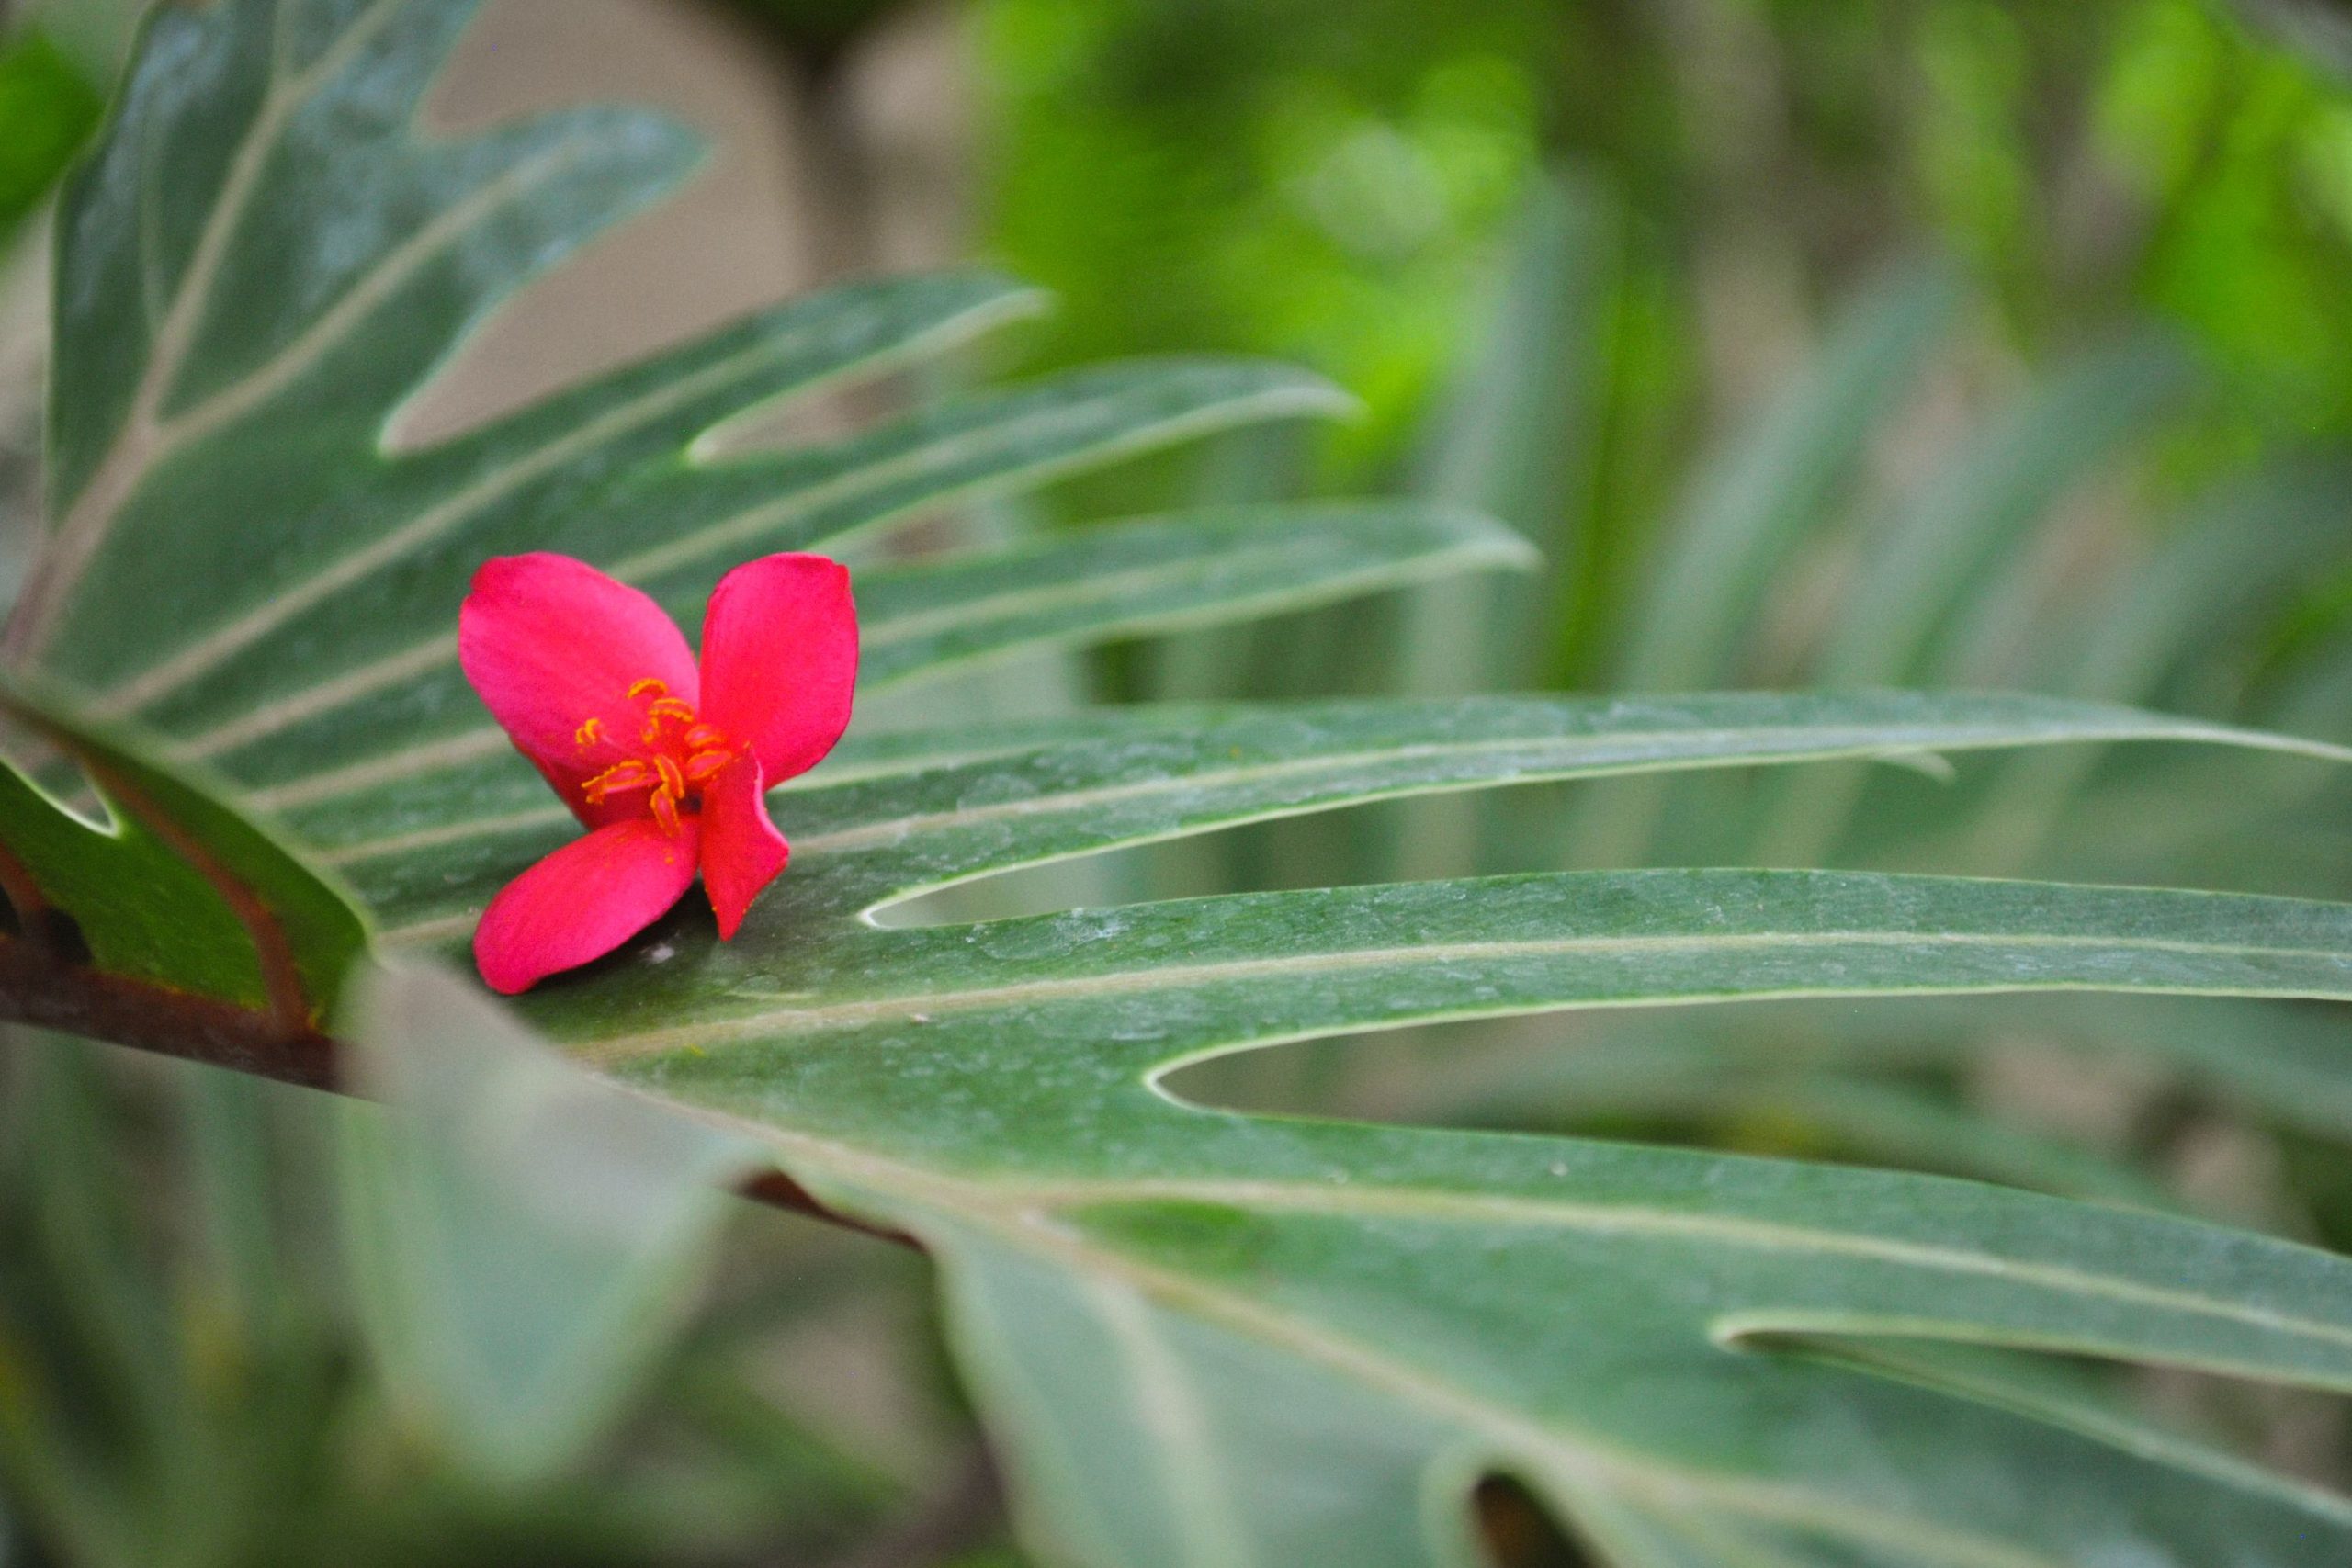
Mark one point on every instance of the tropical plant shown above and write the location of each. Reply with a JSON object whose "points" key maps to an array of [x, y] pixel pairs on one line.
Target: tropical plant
{"points": [[1973, 568], [1194, 1337]]}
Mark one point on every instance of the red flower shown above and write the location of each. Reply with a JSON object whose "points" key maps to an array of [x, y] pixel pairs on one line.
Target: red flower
{"points": [[667, 764]]}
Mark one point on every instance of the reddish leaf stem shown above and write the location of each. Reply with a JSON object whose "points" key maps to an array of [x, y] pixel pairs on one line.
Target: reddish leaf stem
{"points": [[37, 989], [281, 978], [32, 910]]}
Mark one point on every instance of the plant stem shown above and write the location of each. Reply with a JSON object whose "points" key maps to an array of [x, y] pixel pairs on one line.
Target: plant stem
{"points": [[38, 988], [44, 990]]}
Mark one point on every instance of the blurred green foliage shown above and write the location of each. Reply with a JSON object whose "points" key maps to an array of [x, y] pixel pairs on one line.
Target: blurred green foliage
{"points": [[183, 1382], [1329, 181], [1637, 323], [48, 108], [1310, 181]]}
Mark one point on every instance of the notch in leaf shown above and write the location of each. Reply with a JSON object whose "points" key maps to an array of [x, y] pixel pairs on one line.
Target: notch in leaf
{"points": [[176, 924]]}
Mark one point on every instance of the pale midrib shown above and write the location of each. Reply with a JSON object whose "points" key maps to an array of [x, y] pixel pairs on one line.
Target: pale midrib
{"points": [[323, 698], [1580, 1456], [473, 745], [2114, 1430], [625, 1047], [427, 931], [1014, 1212], [468, 745], [1152, 432], [893, 832], [462, 507], [1546, 758], [1200, 1508], [316, 341], [1092, 589], [1437, 1205], [372, 287], [1714, 1539], [438, 838], [142, 439], [379, 674], [1433, 557]]}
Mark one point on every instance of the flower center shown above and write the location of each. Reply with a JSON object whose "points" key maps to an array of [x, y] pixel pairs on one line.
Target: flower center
{"points": [[671, 755]]}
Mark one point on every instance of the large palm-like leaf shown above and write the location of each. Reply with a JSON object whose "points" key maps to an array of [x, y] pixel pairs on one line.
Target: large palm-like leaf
{"points": [[1954, 583], [1202, 1338]]}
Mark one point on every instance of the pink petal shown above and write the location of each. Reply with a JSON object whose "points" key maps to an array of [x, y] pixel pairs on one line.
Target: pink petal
{"points": [[779, 659], [550, 643], [582, 901], [741, 850]]}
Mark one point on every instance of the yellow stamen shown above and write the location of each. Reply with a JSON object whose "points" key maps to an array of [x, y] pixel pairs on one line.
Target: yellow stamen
{"points": [[618, 779], [674, 782], [588, 734], [671, 707], [659, 688], [703, 764], [703, 737], [665, 811]]}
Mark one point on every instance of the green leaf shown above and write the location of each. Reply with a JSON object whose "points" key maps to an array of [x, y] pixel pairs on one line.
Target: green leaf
{"points": [[429, 856], [1147, 577], [1751, 504], [1199, 1337], [1187, 1318], [332, 662], [169, 894], [1514, 440], [69, 1216], [1773, 483], [232, 362], [2235, 557], [1132, 1278], [1518, 438], [924, 621], [1938, 550], [1603, 1082], [245, 558], [47, 111], [2285, 1065], [524, 1236]]}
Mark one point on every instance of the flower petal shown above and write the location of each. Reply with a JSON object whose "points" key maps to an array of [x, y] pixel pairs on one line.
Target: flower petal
{"points": [[779, 659], [741, 850], [584, 901], [551, 643]]}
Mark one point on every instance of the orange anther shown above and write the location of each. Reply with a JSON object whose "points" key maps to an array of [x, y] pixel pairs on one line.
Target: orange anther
{"points": [[674, 782], [671, 707], [588, 734], [703, 737], [618, 779], [659, 688], [665, 811], [703, 764]]}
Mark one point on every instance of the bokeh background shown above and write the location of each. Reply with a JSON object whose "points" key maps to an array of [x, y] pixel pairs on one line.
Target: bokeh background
{"points": [[1818, 341]]}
